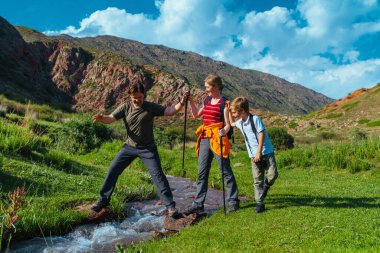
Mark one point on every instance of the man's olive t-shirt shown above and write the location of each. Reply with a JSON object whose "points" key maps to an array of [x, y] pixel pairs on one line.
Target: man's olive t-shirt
{"points": [[139, 122]]}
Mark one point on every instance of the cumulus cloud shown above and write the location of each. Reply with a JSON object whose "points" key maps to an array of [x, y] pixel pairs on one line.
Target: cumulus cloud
{"points": [[312, 44]]}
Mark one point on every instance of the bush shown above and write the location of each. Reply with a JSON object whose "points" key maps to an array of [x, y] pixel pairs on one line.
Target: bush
{"points": [[280, 138], [355, 156], [58, 158], [169, 137], [81, 135], [17, 139], [360, 135], [1, 160], [293, 124], [3, 111], [326, 135]]}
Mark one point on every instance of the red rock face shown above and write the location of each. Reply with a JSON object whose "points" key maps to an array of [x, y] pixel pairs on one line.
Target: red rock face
{"points": [[54, 71]]}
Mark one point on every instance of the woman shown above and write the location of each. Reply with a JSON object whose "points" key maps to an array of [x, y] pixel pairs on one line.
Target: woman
{"points": [[138, 116], [215, 123]]}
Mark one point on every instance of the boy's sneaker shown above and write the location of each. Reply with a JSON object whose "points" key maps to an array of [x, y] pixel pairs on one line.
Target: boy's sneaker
{"points": [[233, 208], [99, 206], [259, 208], [195, 209], [173, 212]]}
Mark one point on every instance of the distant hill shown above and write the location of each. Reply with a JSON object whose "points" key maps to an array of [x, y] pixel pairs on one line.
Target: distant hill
{"points": [[359, 110], [94, 73]]}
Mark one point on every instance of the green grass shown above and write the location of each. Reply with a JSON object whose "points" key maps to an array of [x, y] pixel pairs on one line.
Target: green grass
{"points": [[293, 124], [317, 204], [356, 156], [364, 121], [308, 211], [350, 106], [56, 181], [332, 116], [374, 123]]}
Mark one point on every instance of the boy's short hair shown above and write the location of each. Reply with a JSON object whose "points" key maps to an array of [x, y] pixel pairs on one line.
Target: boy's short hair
{"points": [[214, 80], [240, 104]]}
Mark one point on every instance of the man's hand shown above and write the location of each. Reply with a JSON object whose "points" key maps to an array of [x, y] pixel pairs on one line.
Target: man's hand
{"points": [[97, 117], [106, 119]]}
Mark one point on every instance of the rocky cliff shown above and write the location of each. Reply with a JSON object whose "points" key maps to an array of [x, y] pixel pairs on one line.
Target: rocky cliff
{"points": [[94, 73]]}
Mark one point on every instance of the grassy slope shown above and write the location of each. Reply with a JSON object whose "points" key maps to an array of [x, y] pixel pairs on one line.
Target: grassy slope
{"points": [[316, 208], [308, 210]]}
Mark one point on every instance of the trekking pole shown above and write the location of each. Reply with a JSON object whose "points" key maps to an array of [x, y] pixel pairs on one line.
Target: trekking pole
{"points": [[221, 157], [184, 139]]}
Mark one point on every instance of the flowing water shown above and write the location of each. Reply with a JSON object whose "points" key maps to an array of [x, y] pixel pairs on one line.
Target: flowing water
{"points": [[143, 218]]}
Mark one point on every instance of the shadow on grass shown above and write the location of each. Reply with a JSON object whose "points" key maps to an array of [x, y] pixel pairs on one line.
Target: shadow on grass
{"points": [[67, 165], [9, 183], [284, 201]]}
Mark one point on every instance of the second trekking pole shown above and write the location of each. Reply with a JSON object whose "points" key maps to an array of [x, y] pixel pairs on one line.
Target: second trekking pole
{"points": [[184, 140], [222, 168]]}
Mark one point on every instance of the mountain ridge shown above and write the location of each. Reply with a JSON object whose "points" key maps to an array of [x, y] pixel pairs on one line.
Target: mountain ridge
{"points": [[94, 73]]}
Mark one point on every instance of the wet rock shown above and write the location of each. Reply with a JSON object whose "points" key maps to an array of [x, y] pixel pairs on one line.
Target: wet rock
{"points": [[103, 215], [159, 234], [176, 224]]}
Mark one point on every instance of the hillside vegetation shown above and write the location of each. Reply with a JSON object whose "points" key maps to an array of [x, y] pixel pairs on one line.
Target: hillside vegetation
{"points": [[356, 116], [39, 152]]}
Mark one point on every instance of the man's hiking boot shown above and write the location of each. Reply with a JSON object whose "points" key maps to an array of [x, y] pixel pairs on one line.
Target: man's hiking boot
{"points": [[259, 208], [195, 209], [173, 212], [99, 206], [233, 208]]}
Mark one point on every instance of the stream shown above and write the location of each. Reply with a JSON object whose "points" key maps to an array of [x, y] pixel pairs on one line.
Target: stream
{"points": [[143, 218]]}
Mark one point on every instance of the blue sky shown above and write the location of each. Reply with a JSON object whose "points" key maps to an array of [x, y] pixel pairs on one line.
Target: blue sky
{"points": [[330, 46]]}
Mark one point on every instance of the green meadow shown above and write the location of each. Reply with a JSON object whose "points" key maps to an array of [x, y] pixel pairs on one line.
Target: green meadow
{"points": [[326, 197]]}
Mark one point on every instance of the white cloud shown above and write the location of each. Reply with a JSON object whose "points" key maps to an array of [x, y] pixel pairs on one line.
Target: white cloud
{"points": [[312, 44]]}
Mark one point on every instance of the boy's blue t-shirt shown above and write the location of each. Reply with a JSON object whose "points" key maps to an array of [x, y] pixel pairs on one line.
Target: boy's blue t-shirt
{"points": [[267, 147]]}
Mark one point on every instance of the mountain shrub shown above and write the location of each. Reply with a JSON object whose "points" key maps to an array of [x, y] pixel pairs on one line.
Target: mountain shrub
{"points": [[18, 139], [168, 137], [360, 135], [280, 138], [293, 124], [81, 135], [3, 111], [171, 136], [326, 135]]}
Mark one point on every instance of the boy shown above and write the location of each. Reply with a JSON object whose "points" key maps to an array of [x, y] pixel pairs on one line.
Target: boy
{"points": [[259, 147]]}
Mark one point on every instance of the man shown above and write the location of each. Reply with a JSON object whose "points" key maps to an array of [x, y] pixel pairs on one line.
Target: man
{"points": [[138, 116]]}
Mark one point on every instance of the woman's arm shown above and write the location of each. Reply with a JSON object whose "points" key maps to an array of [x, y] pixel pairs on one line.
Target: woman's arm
{"points": [[197, 112], [106, 119], [227, 125]]}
